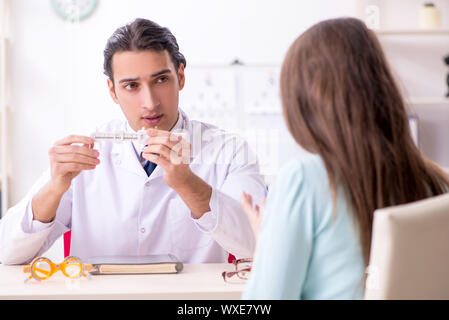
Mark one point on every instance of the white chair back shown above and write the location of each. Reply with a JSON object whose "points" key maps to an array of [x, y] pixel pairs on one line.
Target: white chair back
{"points": [[410, 251]]}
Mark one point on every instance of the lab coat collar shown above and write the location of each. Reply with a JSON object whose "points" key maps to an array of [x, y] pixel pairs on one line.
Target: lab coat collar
{"points": [[127, 154]]}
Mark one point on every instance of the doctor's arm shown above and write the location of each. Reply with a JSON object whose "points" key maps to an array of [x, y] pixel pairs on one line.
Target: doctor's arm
{"points": [[66, 162], [229, 225], [30, 227], [21, 236], [215, 209], [172, 153]]}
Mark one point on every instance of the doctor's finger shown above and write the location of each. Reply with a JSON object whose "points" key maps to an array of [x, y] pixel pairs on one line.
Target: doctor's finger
{"points": [[75, 139], [158, 160], [75, 150], [179, 147], [63, 168], [160, 149], [157, 132], [169, 141], [75, 158]]}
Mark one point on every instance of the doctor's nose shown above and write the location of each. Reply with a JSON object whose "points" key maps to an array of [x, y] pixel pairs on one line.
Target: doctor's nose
{"points": [[148, 99]]}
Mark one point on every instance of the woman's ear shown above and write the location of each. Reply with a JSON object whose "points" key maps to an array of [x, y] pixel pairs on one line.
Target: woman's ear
{"points": [[181, 76], [112, 90]]}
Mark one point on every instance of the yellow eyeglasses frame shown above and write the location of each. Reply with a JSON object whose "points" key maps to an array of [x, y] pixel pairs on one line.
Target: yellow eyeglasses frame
{"points": [[41, 274]]}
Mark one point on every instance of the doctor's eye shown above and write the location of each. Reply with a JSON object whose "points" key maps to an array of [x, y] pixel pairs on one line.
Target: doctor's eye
{"points": [[162, 79], [131, 86]]}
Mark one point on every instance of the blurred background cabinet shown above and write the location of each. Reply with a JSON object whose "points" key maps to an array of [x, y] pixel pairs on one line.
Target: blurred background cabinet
{"points": [[416, 55]]}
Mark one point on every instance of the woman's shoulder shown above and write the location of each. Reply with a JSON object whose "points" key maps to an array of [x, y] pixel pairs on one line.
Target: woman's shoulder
{"points": [[302, 186], [307, 167]]}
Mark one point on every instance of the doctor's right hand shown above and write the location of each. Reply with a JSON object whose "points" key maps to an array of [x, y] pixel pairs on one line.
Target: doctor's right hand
{"points": [[68, 160]]}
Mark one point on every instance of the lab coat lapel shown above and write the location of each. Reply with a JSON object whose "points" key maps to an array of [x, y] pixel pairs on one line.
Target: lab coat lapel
{"points": [[157, 172], [124, 156]]}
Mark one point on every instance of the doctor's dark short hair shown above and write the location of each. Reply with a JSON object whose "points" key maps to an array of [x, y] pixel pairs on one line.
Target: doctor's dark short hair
{"points": [[141, 34]]}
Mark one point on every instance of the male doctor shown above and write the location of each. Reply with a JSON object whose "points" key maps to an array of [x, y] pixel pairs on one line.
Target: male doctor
{"points": [[174, 194]]}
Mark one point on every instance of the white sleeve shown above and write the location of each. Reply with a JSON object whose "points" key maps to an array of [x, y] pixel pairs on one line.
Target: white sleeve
{"points": [[227, 222], [21, 237]]}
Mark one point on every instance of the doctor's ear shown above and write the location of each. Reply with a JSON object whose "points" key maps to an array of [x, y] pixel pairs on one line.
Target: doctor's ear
{"points": [[181, 76], [112, 90]]}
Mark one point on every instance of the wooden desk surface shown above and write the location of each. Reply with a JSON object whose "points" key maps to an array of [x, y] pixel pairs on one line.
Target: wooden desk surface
{"points": [[195, 281]]}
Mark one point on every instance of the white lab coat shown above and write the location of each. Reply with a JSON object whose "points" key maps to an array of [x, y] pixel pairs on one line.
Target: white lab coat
{"points": [[116, 209]]}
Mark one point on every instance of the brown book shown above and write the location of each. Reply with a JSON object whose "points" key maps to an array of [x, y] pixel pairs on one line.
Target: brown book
{"points": [[164, 263]]}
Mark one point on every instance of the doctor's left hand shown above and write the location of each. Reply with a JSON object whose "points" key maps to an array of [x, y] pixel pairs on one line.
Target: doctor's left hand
{"points": [[172, 153]]}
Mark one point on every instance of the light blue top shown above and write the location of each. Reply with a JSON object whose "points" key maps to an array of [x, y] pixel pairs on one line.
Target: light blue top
{"points": [[304, 251]]}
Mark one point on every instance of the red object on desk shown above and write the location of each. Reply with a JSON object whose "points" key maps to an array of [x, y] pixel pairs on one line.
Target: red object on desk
{"points": [[67, 237], [231, 258]]}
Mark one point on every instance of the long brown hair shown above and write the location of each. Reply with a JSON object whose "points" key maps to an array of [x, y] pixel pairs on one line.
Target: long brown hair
{"points": [[340, 101]]}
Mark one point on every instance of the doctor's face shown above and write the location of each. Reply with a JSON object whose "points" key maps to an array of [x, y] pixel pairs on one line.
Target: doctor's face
{"points": [[146, 86]]}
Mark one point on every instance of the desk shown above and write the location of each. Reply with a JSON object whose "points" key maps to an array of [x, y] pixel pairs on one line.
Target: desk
{"points": [[195, 281]]}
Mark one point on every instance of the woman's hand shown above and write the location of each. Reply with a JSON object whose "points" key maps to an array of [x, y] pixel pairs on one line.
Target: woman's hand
{"points": [[254, 214]]}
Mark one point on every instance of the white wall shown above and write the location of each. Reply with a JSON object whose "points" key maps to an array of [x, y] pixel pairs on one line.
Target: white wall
{"points": [[57, 86], [57, 83]]}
